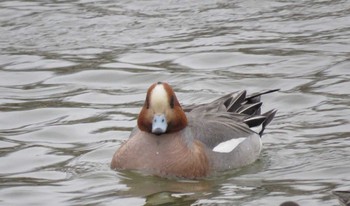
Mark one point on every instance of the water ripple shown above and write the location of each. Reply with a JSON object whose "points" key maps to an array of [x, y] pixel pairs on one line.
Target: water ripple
{"points": [[73, 77]]}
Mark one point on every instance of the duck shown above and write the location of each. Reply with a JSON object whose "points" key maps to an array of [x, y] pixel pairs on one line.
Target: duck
{"points": [[193, 141]]}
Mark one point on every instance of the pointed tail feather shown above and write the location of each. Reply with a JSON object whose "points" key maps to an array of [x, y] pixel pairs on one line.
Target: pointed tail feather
{"points": [[269, 116], [253, 96]]}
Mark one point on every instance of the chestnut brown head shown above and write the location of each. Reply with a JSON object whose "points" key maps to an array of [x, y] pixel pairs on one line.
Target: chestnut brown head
{"points": [[161, 112]]}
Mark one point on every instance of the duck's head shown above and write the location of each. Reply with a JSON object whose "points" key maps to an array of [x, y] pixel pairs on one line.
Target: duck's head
{"points": [[162, 112]]}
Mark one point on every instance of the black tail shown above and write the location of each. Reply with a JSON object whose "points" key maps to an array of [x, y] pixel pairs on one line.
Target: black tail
{"points": [[250, 107]]}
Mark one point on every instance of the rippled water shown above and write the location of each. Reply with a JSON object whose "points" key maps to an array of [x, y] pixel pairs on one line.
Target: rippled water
{"points": [[73, 76]]}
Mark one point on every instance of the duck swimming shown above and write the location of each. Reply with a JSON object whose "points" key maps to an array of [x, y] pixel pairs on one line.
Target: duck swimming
{"points": [[193, 141]]}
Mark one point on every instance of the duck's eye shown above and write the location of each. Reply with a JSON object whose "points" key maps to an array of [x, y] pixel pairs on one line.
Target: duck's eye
{"points": [[163, 120]]}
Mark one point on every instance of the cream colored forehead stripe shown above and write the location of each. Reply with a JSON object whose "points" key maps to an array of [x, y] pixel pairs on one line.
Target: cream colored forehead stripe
{"points": [[159, 99]]}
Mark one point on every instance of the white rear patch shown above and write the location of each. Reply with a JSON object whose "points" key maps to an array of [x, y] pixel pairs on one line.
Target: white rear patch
{"points": [[257, 129], [159, 99], [228, 146]]}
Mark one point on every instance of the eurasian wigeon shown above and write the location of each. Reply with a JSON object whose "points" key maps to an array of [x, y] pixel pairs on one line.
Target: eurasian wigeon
{"points": [[194, 141]]}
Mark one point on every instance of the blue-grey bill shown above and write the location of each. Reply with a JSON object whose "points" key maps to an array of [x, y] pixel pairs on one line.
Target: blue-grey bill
{"points": [[159, 124]]}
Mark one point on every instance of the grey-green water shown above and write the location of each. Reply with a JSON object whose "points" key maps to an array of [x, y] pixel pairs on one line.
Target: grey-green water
{"points": [[73, 76]]}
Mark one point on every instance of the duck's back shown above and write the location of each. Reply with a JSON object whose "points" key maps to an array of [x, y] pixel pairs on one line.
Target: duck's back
{"points": [[224, 127]]}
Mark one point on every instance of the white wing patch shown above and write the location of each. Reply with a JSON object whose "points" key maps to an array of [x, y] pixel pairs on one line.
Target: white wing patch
{"points": [[229, 145]]}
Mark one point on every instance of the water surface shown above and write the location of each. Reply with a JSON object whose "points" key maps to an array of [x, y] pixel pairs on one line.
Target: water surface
{"points": [[73, 76]]}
